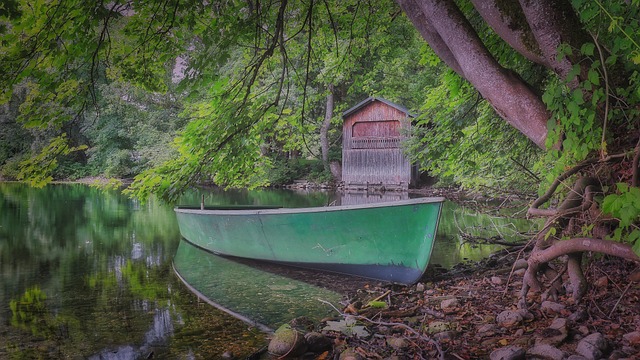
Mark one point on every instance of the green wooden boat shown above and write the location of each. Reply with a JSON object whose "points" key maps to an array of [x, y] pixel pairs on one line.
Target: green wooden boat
{"points": [[387, 241]]}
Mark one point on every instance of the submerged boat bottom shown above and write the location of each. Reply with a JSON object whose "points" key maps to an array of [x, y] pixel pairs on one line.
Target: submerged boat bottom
{"points": [[392, 273]]}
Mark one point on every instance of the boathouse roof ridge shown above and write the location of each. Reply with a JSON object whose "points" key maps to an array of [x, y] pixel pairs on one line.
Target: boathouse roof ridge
{"points": [[371, 99]]}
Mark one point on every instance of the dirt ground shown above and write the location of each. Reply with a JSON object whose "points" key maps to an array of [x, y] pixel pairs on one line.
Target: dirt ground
{"points": [[456, 314]]}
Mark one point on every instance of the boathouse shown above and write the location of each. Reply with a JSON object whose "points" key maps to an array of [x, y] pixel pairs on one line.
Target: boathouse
{"points": [[371, 153]]}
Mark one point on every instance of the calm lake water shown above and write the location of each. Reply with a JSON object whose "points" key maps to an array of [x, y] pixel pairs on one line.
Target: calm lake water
{"points": [[89, 274]]}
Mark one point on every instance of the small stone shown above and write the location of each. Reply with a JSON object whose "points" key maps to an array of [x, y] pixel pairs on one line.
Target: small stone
{"points": [[350, 354], [521, 264], [317, 342], [583, 330], [545, 351], [438, 326], [398, 342], [449, 303], [486, 328], [495, 280], [287, 340], [576, 357], [592, 347], [228, 355], [579, 316], [509, 318], [635, 276], [519, 272], [633, 338], [444, 335], [508, 353], [602, 281], [550, 306], [555, 334], [419, 287]]}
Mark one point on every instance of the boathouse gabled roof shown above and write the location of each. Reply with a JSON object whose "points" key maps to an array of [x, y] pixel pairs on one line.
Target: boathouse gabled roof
{"points": [[371, 99]]}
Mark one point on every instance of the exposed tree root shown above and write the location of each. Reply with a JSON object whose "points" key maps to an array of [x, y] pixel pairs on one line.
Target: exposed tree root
{"points": [[576, 212]]}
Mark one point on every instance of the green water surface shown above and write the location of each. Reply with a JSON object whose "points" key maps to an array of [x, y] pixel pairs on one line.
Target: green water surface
{"points": [[88, 274]]}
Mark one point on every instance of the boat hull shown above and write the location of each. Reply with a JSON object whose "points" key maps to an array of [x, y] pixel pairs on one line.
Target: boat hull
{"points": [[387, 241]]}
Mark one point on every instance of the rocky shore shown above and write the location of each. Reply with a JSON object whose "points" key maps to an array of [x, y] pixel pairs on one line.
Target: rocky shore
{"points": [[469, 312]]}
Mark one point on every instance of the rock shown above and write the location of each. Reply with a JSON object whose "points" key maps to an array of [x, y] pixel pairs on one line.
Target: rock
{"points": [[550, 306], [486, 329], [420, 287], [592, 347], [633, 338], [449, 303], [350, 354], [302, 323], [228, 355], [438, 326], [555, 334], [519, 272], [579, 316], [602, 281], [545, 351], [509, 318], [576, 357], [508, 353], [444, 335], [583, 330], [317, 343], [398, 343], [495, 280], [287, 342], [521, 264], [635, 276]]}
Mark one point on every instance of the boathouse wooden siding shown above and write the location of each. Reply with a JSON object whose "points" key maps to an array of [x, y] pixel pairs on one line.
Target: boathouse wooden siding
{"points": [[371, 153]]}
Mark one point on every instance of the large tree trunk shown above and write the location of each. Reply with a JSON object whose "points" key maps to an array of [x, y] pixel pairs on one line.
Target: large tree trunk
{"points": [[453, 38], [324, 130]]}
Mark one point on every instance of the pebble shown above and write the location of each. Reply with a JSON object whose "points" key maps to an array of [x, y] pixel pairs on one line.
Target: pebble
{"points": [[633, 338], [317, 342], [398, 342], [546, 351], [602, 281], [419, 287], [350, 354], [508, 353], [592, 347], [486, 328], [551, 306], [438, 326], [449, 303], [444, 335], [510, 318], [555, 334], [495, 280], [579, 316], [287, 341]]}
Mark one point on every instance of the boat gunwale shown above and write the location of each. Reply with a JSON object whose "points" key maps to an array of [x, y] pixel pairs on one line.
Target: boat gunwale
{"points": [[320, 209]]}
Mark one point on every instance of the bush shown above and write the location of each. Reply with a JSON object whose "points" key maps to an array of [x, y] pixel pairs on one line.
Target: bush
{"points": [[285, 171]]}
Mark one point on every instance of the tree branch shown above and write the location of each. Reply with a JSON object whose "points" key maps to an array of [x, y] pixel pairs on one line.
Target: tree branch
{"points": [[575, 245]]}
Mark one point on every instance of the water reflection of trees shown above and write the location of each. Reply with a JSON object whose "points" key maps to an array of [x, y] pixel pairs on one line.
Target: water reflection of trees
{"points": [[458, 223]]}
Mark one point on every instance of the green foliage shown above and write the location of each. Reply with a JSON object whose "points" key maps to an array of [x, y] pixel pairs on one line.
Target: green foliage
{"points": [[460, 140], [37, 170], [625, 206]]}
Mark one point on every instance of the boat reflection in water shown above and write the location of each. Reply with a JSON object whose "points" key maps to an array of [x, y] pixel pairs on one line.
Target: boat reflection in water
{"points": [[244, 289]]}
